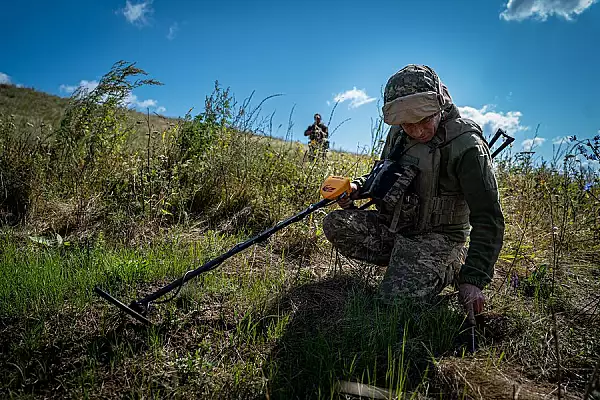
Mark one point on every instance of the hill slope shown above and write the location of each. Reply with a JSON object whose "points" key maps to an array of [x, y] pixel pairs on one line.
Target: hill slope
{"points": [[35, 107]]}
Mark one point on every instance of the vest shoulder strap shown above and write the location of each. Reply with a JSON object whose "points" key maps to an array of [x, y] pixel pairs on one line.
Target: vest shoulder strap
{"points": [[459, 126]]}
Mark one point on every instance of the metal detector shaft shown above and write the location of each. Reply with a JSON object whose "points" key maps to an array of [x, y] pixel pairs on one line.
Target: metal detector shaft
{"points": [[137, 308], [236, 249]]}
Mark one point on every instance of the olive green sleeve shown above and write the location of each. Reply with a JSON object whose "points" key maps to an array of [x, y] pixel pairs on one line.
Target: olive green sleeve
{"points": [[478, 182]]}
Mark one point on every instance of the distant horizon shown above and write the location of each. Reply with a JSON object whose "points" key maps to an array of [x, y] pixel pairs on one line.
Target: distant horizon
{"points": [[512, 64], [539, 158]]}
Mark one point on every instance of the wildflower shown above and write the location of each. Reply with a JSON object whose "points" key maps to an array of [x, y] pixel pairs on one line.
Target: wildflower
{"points": [[588, 186], [514, 280]]}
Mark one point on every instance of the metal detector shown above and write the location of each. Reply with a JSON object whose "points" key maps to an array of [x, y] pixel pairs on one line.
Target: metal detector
{"points": [[333, 188]]}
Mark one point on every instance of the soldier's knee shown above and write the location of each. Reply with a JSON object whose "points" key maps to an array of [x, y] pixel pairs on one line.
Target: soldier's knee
{"points": [[331, 224], [334, 224]]}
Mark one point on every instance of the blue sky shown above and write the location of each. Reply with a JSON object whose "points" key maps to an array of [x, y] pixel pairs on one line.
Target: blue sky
{"points": [[513, 65]]}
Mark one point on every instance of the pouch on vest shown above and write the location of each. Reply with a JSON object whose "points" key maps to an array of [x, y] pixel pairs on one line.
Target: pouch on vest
{"points": [[400, 198], [405, 216]]}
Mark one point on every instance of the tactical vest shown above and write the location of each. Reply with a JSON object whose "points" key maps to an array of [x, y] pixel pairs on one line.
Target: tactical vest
{"points": [[317, 133], [425, 207]]}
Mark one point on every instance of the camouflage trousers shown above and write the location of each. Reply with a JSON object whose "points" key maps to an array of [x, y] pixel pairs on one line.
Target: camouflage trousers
{"points": [[419, 266]]}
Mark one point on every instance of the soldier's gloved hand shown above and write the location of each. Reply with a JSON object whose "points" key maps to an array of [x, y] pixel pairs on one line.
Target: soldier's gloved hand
{"points": [[348, 201], [472, 299]]}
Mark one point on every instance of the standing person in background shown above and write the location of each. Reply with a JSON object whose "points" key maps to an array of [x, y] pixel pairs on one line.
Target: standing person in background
{"points": [[318, 135]]}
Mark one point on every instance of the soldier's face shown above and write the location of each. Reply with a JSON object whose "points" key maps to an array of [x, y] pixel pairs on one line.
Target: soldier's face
{"points": [[317, 119], [424, 130]]}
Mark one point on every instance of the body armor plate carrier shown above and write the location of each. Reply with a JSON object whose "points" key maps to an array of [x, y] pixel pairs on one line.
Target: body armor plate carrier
{"points": [[413, 197]]}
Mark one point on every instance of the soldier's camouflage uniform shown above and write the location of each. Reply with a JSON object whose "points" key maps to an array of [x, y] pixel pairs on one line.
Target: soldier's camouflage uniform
{"points": [[318, 135], [426, 251]]}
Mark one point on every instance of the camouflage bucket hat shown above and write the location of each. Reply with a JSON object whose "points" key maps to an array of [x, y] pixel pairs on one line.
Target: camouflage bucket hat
{"points": [[413, 93]]}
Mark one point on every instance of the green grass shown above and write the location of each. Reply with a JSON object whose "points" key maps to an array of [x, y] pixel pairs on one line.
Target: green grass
{"points": [[235, 327], [37, 278]]}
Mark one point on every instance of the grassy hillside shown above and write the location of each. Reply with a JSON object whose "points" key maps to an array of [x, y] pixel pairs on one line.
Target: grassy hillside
{"points": [[20, 102], [100, 199], [42, 111]]}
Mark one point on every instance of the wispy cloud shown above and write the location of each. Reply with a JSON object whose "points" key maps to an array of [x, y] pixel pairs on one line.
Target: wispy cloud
{"points": [[529, 144], [560, 140], [161, 110], [490, 120], [130, 101], [593, 164], [519, 10], [357, 97], [138, 13], [173, 29], [87, 85], [4, 78]]}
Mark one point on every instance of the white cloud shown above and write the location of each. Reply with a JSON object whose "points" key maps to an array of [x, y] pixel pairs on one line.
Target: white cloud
{"points": [[67, 88], [593, 164], [529, 144], [87, 85], [161, 110], [4, 78], [132, 100], [357, 97], [519, 10], [173, 29], [146, 103], [490, 121], [560, 140], [137, 14]]}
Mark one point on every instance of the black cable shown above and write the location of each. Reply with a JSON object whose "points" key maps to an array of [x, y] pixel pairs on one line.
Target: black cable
{"points": [[176, 292]]}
